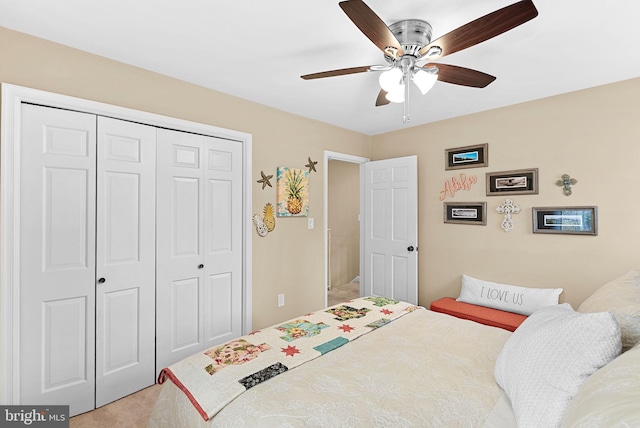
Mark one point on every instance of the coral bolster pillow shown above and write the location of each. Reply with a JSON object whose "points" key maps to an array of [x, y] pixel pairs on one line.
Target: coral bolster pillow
{"points": [[545, 361], [510, 298]]}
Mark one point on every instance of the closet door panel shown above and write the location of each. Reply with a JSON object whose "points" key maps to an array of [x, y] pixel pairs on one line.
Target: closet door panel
{"points": [[185, 314], [199, 243], [57, 257], [179, 247], [219, 298], [223, 240], [125, 322]]}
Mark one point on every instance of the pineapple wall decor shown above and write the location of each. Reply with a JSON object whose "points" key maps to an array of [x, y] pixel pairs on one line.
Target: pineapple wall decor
{"points": [[266, 221], [293, 192], [269, 218]]}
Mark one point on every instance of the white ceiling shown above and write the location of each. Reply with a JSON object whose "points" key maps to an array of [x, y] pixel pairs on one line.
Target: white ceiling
{"points": [[257, 50]]}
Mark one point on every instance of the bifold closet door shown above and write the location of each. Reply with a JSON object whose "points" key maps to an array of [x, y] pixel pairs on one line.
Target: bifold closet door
{"points": [[87, 258], [199, 244], [57, 258], [125, 259]]}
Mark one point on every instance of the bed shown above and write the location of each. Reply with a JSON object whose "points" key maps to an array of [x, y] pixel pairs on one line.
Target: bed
{"points": [[400, 365]]}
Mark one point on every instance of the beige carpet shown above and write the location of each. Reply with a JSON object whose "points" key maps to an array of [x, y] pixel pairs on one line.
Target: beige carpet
{"points": [[338, 294], [132, 411]]}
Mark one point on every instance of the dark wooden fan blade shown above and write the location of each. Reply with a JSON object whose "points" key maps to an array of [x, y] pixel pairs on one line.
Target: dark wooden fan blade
{"points": [[382, 98], [340, 72], [484, 28], [462, 76], [373, 27]]}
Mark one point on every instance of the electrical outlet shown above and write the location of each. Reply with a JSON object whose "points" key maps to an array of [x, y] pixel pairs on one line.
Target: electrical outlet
{"points": [[310, 223], [280, 299]]}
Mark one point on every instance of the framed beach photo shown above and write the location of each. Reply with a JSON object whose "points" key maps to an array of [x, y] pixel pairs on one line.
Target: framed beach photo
{"points": [[566, 220], [465, 213], [516, 182], [467, 157]]}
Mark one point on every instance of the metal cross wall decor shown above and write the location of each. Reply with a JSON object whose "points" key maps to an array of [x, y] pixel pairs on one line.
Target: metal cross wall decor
{"points": [[508, 208], [566, 183]]}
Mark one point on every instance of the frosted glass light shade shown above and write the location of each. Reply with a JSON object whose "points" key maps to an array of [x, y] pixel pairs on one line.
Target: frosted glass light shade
{"points": [[397, 95], [424, 80], [390, 80]]}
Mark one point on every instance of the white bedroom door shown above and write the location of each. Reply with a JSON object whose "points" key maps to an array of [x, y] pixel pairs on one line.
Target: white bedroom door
{"points": [[125, 259], [390, 228], [199, 244]]}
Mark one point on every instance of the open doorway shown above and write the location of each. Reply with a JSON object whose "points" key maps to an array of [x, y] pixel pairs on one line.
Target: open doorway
{"points": [[342, 227]]}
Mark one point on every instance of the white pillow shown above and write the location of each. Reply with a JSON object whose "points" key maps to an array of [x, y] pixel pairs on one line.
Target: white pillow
{"points": [[544, 362], [621, 297], [510, 298]]}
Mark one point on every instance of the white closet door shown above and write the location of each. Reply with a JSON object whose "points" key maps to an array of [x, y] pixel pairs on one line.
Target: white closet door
{"points": [[125, 259], [199, 244], [222, 241], [57, 258], [179, 246]]}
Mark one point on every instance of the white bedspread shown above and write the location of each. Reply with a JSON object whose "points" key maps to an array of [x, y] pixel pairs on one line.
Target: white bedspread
{"points": [[427, 369]]}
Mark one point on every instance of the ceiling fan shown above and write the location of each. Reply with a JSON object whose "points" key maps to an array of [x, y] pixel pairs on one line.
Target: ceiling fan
{"points": [[407, 43]]}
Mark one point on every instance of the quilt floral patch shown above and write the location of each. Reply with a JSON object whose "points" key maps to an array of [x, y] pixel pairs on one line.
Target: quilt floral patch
{"points": [[381, 301], [379, 323], [345, 312], [233, 353], [300, 328]]}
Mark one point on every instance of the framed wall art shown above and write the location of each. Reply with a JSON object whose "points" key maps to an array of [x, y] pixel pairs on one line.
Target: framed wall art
{"points": [[566, 220], [516, 182], [292, 192], [465, 213], [467, 157]]}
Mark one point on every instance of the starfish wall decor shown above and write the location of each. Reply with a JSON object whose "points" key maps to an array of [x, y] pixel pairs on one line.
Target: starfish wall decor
{"points": [[311, 165], [265, 180]]}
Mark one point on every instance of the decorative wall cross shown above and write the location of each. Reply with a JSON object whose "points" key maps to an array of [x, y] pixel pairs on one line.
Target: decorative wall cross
{"points": [[566, 183], [508, 208]]}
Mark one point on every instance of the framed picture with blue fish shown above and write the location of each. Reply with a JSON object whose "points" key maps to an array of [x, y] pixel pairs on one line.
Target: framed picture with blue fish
{"points": [[467, 157]]}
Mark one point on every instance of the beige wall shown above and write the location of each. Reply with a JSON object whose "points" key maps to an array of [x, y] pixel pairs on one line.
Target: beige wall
{"points": [[592, 135], [344, 207], [290, 260]]}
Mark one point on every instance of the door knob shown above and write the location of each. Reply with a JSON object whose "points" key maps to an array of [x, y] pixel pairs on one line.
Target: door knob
{"points": [[410, 248], [101, 281], [200, 266]]}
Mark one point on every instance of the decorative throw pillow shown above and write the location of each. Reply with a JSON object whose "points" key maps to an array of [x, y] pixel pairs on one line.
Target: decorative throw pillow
{"points": [[610, 397], [511, 298], [544, 362], [622, 298]]}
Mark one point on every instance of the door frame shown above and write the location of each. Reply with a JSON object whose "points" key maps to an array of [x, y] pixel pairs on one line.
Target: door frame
{"points": [[329, 155], [10, 123]]}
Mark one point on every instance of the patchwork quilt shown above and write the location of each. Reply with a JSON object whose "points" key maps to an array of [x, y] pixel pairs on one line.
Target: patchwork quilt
{"points": [[213, 378]]}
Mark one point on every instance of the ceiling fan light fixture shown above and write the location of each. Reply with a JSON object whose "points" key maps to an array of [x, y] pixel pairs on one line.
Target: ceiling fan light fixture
{"points": [[425, 80], [396, 95], [391, 80]]}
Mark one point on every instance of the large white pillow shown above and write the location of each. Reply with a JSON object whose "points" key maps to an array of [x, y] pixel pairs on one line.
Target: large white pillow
{"points": [[610, 397], [544, 362], [510, 298], [621, 297]]}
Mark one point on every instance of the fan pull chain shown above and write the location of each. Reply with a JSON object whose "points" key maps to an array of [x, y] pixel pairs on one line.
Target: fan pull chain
{"points": [[406, 118]]}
